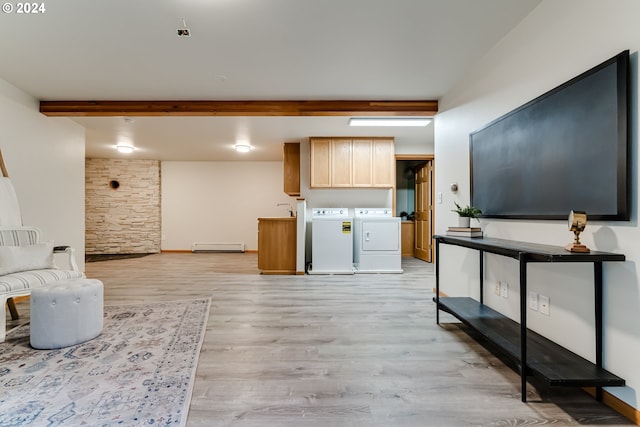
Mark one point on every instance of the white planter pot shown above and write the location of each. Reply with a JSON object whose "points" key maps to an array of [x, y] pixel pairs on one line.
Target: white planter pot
{"points": [[464, 221]]}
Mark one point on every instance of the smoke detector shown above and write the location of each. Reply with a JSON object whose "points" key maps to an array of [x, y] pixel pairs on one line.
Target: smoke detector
{"points": [[184, 31]]}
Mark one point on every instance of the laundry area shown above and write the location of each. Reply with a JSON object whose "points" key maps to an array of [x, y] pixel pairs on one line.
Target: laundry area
{"points": [[355, 241], [377, 246], [331, 241], [361, 210]]}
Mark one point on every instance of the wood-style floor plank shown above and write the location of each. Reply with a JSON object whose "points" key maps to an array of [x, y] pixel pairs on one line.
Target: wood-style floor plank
{"points": [[339, 350]]}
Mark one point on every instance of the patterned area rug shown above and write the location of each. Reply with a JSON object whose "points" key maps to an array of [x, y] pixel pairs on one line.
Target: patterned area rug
{"points": [[138, 372]]}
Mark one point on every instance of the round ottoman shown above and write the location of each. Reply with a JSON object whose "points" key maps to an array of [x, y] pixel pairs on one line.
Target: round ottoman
{"points": [[66, 313]]}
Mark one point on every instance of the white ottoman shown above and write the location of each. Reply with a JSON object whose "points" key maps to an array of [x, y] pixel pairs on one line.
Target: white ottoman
{"points": [[66, 313]]}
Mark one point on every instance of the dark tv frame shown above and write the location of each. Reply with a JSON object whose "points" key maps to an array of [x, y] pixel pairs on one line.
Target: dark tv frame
{"points": [[623, 144]]}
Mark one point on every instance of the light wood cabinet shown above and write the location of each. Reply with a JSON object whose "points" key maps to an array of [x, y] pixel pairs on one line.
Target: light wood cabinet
{"points": [[277, 245], [320, 163], [292, 168], [384, 163], [362, 150], [352, 162], [341, 163], [408, 237]]}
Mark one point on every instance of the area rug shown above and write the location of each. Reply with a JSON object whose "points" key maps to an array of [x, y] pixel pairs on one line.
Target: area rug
{"points": [[138, 372]]}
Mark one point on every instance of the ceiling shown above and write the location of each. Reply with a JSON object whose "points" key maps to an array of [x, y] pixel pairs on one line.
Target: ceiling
{"points": [[246, 50]]}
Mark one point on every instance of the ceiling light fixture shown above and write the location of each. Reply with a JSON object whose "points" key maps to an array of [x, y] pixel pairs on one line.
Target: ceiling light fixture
{"points": [[243, 148], [127, 149], [389, 121], [184, 31]]}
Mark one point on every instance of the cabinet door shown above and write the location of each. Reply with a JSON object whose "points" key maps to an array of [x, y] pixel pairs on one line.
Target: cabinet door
{"points": [[384, 170], [320, 163], [408, 238], [277, 246], [341, 163], [362, 150], [292, 168]]}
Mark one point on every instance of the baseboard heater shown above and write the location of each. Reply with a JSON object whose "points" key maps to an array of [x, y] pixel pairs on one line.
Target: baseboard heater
{"points": [[217, 247]]}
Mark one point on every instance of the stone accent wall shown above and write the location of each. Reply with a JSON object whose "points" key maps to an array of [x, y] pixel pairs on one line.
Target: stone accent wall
{"points": [[123, 220]]}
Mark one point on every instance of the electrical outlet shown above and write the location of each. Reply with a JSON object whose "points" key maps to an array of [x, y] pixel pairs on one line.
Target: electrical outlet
{"points": [[496, 290], [504, 290], [544, 304], [533, 300]]}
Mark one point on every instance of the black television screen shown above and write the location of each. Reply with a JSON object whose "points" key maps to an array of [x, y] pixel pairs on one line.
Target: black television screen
{"points": [[566, 150]]}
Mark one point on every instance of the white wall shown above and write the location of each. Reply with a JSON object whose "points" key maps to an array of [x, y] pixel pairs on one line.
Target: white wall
{"points": [[219, 201], [45, 160], [425, 146], [556, 42]]}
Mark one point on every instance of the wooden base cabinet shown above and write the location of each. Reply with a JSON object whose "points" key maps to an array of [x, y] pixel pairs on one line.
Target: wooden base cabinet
{"points": [[277, 245], [408, 238]]}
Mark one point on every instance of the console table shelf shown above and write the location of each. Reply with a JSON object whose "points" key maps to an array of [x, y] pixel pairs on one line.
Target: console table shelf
{"points": [[538, 355], [546, 360]]}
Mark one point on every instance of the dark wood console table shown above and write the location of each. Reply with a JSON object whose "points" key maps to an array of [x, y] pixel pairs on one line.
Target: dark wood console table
{"points": [[534, 354]]}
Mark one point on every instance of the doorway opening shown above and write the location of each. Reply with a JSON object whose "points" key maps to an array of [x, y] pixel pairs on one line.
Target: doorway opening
{"points": [[413, 202]]}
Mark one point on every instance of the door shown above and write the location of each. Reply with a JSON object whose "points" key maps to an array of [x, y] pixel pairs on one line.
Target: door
{"points": [[424, 212], [380, 235]]}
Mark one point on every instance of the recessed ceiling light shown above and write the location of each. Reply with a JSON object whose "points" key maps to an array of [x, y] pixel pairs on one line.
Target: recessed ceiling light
{"points": [[243, 148], [389, 121], [125, 149]]}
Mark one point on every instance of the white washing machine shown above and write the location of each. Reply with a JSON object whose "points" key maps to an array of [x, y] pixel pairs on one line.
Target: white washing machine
{"points": [[331, 241], [377, 241]]}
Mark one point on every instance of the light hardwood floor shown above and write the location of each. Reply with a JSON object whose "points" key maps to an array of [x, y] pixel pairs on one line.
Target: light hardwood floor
{"points": [[359, 350]]}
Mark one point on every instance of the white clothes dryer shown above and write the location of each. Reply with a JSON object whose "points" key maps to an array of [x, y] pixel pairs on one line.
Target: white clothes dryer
{"points": [[331, 241], [377, 244]]}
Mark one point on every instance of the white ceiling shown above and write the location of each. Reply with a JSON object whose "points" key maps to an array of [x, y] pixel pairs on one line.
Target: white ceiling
{"points": [[246, 50]]}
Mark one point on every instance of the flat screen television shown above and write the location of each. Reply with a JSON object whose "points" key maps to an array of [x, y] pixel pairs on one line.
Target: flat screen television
{"points": [[568, 149]]}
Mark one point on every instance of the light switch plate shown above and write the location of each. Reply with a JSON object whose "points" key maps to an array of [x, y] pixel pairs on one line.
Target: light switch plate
{"points": [[504, 290], [544, 304]]}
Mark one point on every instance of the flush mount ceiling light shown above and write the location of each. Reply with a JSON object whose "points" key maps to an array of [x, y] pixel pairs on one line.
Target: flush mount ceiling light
{"points": [[389, 121], [127, 149], [243, 148]]}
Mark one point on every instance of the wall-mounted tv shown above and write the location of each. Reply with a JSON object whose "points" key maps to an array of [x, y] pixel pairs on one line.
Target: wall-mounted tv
{"points": [[568, 149]]}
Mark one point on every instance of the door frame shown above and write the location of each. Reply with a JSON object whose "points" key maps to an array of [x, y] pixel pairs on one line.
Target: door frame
{"points": [[425, 157]]}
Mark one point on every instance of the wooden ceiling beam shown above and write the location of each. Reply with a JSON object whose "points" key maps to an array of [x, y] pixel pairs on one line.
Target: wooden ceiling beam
{"points": [[237, 108]]}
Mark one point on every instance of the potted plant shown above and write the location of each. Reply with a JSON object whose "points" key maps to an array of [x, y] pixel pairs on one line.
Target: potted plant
{"points": [[465, 214]]}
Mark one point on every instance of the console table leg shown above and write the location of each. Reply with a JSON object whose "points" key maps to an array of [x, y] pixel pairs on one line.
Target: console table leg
{"points": [[437, 282], [481, 276], [523, 326], [597, 280]]}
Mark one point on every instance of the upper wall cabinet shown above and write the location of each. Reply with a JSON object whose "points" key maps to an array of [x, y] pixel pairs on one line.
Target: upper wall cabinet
{"points": [[352, 163], [292, 168], [320, 163], [384, 163]]}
